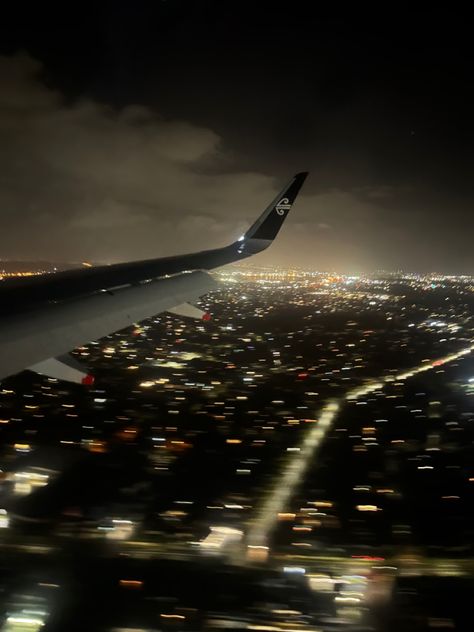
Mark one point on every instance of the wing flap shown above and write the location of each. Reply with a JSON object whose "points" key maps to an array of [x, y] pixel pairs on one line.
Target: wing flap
{"points": [[63, 369]]}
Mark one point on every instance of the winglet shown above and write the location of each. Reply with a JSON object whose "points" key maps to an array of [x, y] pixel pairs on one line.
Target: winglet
{"points": [[261, 234]]}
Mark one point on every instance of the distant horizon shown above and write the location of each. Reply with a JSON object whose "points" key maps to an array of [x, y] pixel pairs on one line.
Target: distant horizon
{"points": [[264, 267]]}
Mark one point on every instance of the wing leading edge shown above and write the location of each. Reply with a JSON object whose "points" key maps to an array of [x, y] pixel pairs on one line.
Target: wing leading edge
{"points": [[73, 284]]}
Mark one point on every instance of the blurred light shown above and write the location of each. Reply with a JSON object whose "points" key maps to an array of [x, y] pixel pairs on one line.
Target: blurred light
{"points": [[131, 583], [26, 482], [119, 529], [24, 621], [257, 553], [4, 520], [343, 599], [22, 447], [220, 537]]}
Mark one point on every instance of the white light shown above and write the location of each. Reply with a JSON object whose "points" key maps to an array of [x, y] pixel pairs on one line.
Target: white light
{"points": [[23, 622], [219, 537], [4, 520]]}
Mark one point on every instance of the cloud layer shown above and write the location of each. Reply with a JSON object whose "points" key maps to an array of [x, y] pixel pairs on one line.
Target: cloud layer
{"points": [[83, 181]]}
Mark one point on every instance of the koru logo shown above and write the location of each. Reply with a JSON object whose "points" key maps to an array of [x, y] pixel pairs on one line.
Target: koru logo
{"points": [[282, 206]]}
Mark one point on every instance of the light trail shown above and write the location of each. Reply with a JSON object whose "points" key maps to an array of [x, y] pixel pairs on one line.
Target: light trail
{"points": [[296, 467], [292, 475]]}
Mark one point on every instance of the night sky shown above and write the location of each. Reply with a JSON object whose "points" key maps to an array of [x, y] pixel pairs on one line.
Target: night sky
{"points": [[140, 129]]}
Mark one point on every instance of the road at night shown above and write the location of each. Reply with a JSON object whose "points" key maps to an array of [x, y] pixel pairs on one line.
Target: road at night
{"points": [[297, 465]]}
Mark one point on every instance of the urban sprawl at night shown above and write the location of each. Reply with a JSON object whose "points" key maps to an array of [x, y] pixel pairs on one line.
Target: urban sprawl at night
{"points": [[301, 461]]}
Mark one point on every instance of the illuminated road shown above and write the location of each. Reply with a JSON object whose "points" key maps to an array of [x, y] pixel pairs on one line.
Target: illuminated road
{"points": [[297, 465], [413, 564]]}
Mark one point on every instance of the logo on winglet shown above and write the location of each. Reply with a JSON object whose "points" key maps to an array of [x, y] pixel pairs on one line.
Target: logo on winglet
{"points": [[282, 206]]}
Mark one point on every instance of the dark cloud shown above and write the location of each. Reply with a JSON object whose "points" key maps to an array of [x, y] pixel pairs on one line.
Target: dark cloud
{"points": [[83, 180], [155, 128]]}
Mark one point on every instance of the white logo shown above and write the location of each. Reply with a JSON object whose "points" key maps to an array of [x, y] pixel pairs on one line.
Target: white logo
{"points": [[282, 206]]}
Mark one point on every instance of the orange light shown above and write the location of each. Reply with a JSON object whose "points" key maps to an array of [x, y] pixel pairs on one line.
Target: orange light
{"points": [[98, 447], [135, 584]]}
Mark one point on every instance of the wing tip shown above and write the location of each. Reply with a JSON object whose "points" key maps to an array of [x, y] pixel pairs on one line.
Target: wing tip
{"points": [[269, 223]]}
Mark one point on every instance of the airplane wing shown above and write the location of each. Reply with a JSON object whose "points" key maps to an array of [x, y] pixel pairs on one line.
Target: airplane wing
{"points": [[44, 317]]}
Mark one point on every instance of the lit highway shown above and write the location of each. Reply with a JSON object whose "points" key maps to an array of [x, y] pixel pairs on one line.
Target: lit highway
{"points": [[297, 464]]}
